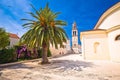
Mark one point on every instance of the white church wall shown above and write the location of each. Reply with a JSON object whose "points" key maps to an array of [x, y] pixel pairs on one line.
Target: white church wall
{"points": [[114, 45], [105, 45], [112, 20], [83, 46], [95, 46]]}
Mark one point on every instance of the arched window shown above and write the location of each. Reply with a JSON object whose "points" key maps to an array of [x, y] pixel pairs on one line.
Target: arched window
{"points": [[118, 37], [75, 33], [96, 44]]}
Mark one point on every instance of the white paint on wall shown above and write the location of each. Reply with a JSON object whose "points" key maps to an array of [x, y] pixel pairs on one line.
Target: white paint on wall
{"points": [[111, 20], [88, 47], [13, 41], [114, 46]]}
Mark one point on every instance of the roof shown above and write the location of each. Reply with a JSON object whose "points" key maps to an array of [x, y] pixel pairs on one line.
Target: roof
{"points": [[107, 13], [94, 30], [13, 36]]}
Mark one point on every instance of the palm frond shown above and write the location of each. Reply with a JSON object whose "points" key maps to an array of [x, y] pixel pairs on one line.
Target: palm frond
{"points": [[44, 29]]}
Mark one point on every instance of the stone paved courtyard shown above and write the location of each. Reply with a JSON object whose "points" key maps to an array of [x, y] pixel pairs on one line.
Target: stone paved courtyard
{"points": [[70, 67]]}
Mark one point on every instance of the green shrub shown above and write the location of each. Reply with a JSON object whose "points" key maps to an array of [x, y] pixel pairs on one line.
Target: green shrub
{"points": [[7, 55], [39, 53]]}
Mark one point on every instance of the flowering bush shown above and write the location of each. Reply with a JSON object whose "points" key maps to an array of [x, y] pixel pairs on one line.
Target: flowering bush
{"points": [[10, 55]]}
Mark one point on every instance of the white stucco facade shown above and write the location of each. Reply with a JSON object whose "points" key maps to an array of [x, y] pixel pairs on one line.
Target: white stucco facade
{"points": [[114, 45], [112, 20], [101, 43], [13, 41], [95, 46]]}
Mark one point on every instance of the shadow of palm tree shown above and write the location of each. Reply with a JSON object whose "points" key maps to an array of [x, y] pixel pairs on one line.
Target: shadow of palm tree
{"points": [[16, 66], [68, 65], [62, 55], [3, 78]]}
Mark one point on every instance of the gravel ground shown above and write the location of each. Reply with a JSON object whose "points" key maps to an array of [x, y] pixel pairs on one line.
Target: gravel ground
{"points": [[69, 67]]}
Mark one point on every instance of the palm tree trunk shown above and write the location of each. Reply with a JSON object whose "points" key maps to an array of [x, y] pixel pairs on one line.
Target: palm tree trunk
{"points": [[44, 54]]}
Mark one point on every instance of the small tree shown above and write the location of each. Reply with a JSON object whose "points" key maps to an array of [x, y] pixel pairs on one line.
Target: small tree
{"points": [[44, 30], [4, 38]]}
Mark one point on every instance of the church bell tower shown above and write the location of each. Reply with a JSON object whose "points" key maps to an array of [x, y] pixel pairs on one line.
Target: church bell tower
{"points": [[74, 38]]}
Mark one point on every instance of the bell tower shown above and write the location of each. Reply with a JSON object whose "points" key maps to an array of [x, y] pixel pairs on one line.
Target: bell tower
{"points": [[74, 38]]}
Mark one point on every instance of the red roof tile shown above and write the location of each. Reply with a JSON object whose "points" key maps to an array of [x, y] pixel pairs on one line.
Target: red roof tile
{"points": [[13, 36]]}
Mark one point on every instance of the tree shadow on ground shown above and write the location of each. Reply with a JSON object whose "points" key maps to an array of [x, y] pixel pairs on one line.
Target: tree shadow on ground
{"points": [[68, 65], [16, 66], [3, 78], [56, 64]]}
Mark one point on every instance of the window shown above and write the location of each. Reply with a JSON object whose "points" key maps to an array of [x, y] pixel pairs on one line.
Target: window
{"points": [[75, 33], [118, 37], [96, 44]]}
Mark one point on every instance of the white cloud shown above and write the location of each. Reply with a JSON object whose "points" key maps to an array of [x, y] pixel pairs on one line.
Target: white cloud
{"points": [[11, 11], [17, 7], [12, 26]]}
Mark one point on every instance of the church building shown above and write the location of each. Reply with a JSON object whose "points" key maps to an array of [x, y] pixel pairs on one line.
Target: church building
{"points": [[75, 45], [76, 48], [103, 42]]}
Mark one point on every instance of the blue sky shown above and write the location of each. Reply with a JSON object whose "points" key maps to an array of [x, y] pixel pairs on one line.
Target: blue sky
{"points": [[84, 12]]}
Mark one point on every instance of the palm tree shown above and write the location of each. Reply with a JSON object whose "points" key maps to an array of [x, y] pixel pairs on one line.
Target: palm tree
{"points": [[44, 30]]}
